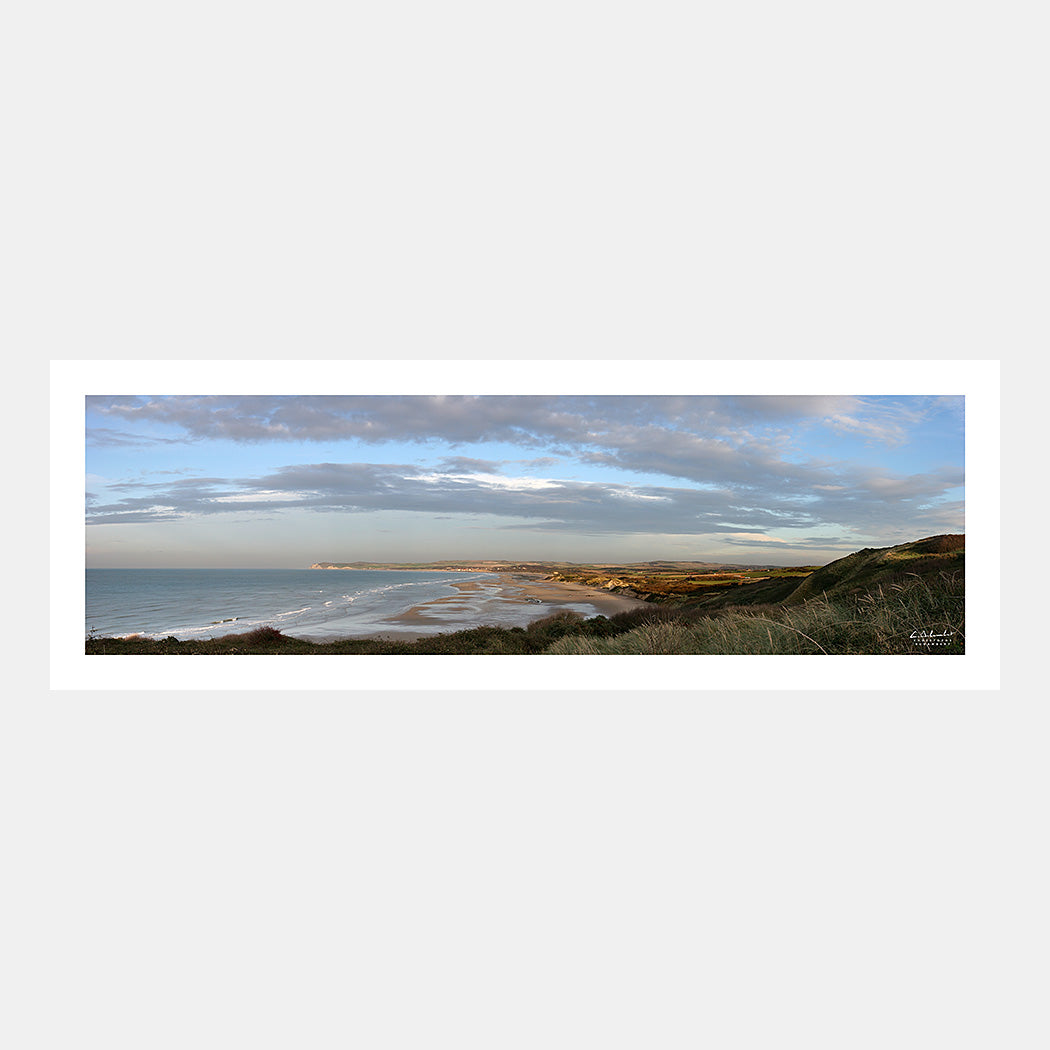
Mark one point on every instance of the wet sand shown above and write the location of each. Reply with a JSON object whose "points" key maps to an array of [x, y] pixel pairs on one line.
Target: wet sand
{"points": [[511, 600], [558, 592]]}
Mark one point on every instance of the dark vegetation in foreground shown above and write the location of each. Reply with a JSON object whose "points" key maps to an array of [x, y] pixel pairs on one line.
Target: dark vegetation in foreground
{"points": [[893, 600]]}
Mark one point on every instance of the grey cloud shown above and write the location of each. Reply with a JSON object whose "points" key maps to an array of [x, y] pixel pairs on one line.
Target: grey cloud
{"points": [[874, 505], [818, 545], [134, 517], [456, 419], [103, 437], [466, 465], [523, 419], [739, 440], [181, 484], [701, 459]]}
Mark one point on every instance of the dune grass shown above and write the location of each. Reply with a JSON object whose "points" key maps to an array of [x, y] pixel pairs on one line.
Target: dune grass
{"points": [[920, 615]]}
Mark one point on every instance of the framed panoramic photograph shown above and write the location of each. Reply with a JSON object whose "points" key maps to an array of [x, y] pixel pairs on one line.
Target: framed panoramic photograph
{"points": [[775, 524], [524, 527]]}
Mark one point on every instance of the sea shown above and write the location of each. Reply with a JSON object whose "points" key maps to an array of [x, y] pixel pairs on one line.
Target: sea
{"points": [[209, 603]]}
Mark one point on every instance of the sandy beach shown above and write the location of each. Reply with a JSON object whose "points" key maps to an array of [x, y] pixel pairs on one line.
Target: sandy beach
{"points": [[509, 600]]}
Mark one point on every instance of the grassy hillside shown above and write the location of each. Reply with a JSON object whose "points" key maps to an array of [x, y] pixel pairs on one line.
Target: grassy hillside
{"points": [[856, 574], [871, 567], [908, 599], [920, 615], [682, 584]]}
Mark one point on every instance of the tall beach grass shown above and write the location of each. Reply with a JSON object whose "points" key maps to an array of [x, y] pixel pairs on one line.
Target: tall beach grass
{"points": [[915, 615]]}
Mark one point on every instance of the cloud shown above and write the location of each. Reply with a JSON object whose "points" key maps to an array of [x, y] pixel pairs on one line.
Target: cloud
{"points": [[725, 466], [107, 437], [466, 465], [262, 496], [803, 545], [624, 426], [866, 503], [369, 418]]}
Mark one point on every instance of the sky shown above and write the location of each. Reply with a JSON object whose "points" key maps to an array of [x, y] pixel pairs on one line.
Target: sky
{"points": [[284, 482]]}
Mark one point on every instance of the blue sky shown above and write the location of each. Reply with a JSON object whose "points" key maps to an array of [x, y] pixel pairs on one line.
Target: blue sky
{"points": [[266, 481]]}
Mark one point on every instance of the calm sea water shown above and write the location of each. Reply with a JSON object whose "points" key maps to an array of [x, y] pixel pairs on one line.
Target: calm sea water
{"points": [[206, 603]]}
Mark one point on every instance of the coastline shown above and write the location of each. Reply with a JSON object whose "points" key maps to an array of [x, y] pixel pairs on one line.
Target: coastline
{"points": [[555, 592], [513, 599]]}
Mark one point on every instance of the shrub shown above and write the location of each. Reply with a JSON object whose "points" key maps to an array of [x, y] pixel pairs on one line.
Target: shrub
{"points": [[260, 638]]}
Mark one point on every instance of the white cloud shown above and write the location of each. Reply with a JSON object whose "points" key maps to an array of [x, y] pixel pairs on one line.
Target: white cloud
{"points": [[495, 481], [260, 496], [618, 493], [754, 537]]}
